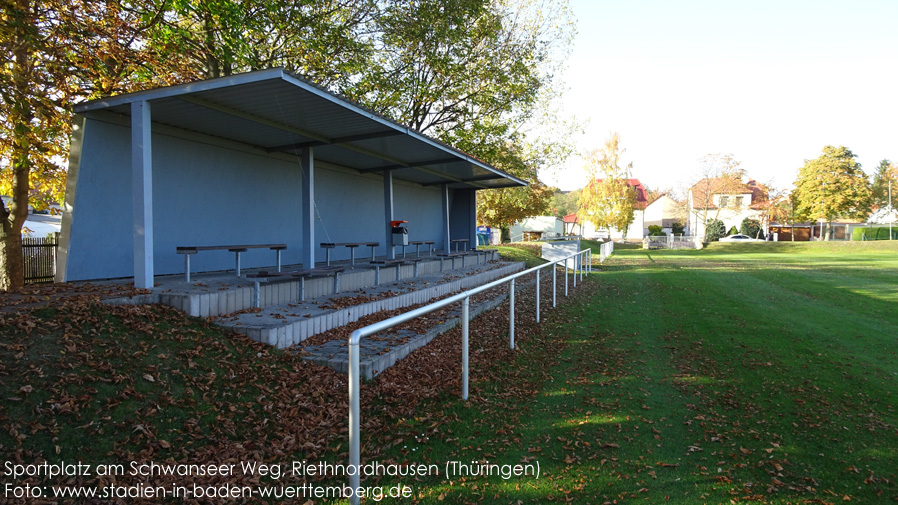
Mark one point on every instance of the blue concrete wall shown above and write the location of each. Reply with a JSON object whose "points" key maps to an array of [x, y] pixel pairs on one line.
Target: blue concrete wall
{"points": [[463, 215], [207, 194]]}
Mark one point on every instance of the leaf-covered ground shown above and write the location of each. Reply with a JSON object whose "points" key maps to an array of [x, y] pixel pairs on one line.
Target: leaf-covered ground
{"points": [[83, 381]]}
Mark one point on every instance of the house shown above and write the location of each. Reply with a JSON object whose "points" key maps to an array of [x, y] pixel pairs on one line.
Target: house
{"points": [[637, 228], [209, 163], [664, 212], [729, 199], [535, 228]]}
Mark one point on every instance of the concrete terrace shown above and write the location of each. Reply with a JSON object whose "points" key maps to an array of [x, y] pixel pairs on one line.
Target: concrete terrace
{"points": [[284, 321]]}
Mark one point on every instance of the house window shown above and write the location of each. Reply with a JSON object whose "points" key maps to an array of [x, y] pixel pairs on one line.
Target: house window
{"points": [[739, 201], [724, 200]]}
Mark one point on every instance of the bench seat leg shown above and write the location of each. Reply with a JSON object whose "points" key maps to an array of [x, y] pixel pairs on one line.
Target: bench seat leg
{"points": [[257, 295], [238, 263], [187, 268]]}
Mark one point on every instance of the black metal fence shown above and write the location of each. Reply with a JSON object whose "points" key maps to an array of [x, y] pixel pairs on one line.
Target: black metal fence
{"points": [[40, 258]]}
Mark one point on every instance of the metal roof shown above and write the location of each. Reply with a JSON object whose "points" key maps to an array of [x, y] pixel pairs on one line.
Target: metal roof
{"points": [[280, 112]]}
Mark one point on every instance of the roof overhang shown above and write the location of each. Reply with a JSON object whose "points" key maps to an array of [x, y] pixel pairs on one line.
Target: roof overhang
{"points": [[280, 112]]}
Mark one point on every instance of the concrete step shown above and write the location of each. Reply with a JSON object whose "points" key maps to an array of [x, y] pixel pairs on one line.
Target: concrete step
{"points": [[205, 299], [377, 355], [289, 324]]}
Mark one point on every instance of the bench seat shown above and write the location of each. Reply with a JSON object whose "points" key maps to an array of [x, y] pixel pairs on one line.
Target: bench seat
{"points": [[327, 246], [236, 249]]}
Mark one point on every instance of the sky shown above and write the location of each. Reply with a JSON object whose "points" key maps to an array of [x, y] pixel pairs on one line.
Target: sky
{"points": [[771, 82]]}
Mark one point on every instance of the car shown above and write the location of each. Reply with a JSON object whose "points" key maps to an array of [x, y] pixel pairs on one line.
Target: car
{"points": [[739, 238]]}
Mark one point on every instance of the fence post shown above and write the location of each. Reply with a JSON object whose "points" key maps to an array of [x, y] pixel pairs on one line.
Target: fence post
{"points": [[465, 316], [511, 315], [574, 261], [537, 295]]}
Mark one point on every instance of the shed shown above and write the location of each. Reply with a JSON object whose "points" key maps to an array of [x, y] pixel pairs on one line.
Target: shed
{"points": [[261, 157]]}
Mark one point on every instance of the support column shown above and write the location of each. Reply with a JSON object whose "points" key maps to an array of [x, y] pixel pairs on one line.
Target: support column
{"points": [[447, 239], [307, 160], [388, 214], [142, 193], [472, 218]]}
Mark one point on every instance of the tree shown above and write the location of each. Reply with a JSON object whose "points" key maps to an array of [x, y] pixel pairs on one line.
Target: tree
{"points": [[503, 207], [329, 41], [608, 201], [780, 208], [55, 54], [475, 74], [565, 202], [886, 172], [831, 186]]}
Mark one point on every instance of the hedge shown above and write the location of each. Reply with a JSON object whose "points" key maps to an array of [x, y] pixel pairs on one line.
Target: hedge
{"points": [[875, 233]]}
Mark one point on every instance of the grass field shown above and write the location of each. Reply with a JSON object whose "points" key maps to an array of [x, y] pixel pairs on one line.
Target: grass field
{"points": [[755, 372], [742, 372]]}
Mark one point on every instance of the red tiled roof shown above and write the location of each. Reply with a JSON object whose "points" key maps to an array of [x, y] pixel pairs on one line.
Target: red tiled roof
{"points": [[571, 218], [727, 186]]}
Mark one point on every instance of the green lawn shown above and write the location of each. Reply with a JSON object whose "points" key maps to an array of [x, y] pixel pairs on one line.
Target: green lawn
{"points": [[755, 372]]}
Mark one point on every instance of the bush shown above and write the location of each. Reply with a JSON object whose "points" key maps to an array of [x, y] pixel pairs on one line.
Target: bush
{"points": [[874, 233], [752, 228], [677, 228], [733, 231], [655, 230], [714, 230]]}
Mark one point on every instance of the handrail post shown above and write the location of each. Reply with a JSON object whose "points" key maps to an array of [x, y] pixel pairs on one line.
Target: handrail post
{"points": [[511, 315], [565, 277], [537, 295], [554, 283], [574, 260], [582, 255], [465, 316], [354, 420]]}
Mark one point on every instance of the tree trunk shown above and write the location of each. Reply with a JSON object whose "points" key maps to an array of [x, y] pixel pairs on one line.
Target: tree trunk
{"points": [[12, 267]]}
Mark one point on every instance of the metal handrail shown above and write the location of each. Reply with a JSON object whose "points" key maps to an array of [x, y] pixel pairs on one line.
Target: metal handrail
{"points": [[463, 297]]}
